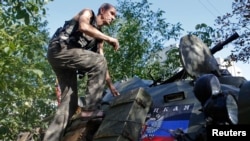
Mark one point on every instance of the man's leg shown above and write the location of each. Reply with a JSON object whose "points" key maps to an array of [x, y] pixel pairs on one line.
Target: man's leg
{"points": [[69, 99], [67, 61], [95, 85], [96, 67], [84, 60]]}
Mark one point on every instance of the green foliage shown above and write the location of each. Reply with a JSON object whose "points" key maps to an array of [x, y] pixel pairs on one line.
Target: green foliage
{"points": [[225, 26], [163, 67], [205, 33], [29, 12], [237, 21], [141, 32], [172, 63], [24, 72]]}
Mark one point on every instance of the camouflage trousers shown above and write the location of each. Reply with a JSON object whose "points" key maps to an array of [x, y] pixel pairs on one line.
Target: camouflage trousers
{"points": [[65, 61]]}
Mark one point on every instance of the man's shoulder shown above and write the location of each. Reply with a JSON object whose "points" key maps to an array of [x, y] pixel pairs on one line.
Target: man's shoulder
{"points": [[87, 10], [87, 13]]}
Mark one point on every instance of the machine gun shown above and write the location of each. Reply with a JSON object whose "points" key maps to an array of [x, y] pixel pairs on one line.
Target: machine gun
{"points": [[220, 45], [183, 73]]}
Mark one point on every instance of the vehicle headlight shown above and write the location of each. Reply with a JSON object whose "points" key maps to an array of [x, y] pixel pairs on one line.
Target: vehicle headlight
{"points": [[222, 108], [232, 109], [206, 86]]}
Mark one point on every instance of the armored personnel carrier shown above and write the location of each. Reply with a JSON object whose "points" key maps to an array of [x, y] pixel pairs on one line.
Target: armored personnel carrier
{"points": [[180, 108]]}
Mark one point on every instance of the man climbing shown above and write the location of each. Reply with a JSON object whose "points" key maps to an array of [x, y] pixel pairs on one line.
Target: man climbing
{"points": [[78, 46]]}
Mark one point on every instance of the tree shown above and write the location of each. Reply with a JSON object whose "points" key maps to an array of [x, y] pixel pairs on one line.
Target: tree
{"points": [[141, 33], [165, 65], [205, 33], [25, 75], [237, 21]]}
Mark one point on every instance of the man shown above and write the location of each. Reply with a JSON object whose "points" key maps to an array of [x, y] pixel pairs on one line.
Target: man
{"points": [[73, 48]]}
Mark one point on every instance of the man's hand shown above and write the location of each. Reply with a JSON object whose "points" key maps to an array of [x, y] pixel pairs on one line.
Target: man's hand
{"points": [[113, 90], [114, 42]]}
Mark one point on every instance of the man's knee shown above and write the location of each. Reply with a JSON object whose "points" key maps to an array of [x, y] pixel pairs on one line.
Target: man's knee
{"points": [[102, 63]]}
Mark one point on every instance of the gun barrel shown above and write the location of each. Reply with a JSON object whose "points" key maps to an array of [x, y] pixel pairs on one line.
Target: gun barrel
{"points": [[220, 45]]}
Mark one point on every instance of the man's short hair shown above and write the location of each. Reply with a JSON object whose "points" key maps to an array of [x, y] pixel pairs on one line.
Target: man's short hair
{"points": [[105, 6]]}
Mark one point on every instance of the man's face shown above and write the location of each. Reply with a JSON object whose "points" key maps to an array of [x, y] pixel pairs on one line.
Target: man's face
{"points": [[108, 15]]}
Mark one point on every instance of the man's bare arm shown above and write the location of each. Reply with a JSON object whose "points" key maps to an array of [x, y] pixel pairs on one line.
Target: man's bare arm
{"points": [[84, 18], [108, 78]]}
